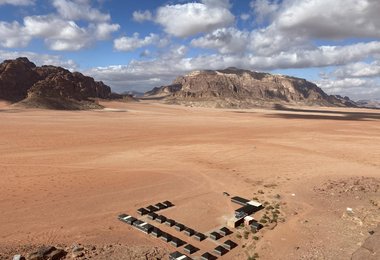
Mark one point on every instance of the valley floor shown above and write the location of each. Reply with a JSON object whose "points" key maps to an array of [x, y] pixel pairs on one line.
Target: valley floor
{"points": [[66, 175]]}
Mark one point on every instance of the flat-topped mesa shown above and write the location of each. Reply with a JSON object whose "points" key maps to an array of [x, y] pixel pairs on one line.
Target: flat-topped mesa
{"points": [[234, 87], [48, 86]]}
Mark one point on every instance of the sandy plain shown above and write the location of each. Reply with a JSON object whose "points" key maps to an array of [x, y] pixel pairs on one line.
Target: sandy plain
{"points": [[66, 175]]}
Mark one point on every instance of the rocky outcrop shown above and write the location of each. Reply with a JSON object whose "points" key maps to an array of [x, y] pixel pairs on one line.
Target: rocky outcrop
{"points": [[16, 78], [242, 88], [48, 86]]}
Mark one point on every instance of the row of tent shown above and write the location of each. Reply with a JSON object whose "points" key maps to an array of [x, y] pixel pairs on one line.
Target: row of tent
{"points": [[219, 250], [177, 226], [176, 242], [215, 235], [154, 208]]}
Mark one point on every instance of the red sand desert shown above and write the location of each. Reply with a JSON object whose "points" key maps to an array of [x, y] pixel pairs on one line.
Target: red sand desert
{"points": [[65, 176]]}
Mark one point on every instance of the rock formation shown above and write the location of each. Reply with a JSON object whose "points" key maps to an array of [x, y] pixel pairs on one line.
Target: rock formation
{"points": [[242, 88], [48, 86]]}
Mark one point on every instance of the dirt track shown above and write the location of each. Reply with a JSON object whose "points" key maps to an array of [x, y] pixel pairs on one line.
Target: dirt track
{"points": [[65, 176]]}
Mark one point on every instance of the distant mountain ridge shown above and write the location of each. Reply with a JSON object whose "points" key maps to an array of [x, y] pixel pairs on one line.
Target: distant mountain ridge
{"points": [[369, 103], [48, 86], [239, 88]]}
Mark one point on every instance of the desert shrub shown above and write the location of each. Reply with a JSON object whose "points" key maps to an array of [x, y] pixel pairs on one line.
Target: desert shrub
{"points": [[263, 221]]}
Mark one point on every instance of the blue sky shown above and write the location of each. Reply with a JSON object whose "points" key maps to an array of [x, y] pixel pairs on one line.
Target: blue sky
{"points": [[137, 45]]}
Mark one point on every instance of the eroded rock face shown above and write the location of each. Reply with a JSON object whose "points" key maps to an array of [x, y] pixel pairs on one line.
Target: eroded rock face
{"points": [[242, 88], [21, 79], [16, 78]]}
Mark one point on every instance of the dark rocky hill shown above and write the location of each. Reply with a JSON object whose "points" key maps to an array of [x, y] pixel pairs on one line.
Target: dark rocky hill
{"points": [[48, 86], [242, 88]]}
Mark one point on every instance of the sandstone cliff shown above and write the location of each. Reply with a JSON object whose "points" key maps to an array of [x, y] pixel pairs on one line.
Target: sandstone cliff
{"points": [[48, 86], [242, 88]]}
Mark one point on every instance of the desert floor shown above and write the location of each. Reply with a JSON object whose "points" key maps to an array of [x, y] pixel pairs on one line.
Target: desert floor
{"points": [[65, 176]]}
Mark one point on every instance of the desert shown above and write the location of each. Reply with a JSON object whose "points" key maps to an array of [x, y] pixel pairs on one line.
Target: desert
{"points": [[66, 175], [189, 130]]}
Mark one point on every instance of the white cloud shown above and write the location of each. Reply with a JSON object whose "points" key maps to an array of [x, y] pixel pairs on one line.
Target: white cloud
{"points": [[134, 42], [17, 2], [103, 31], [338, 19], [226, 40], [78, 10], [12, 35], [59, 34], [245, 17], [355, 88], [141, 16], [183, 20], [40, 59], [217, 3], [358, 69], [69, 36], [264, 9], [318, 57]]}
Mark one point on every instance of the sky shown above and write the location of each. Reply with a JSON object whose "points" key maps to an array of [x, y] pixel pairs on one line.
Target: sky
{"points": [[138, 45]]}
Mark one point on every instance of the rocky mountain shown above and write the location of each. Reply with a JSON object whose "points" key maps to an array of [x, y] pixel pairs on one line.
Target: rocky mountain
{"points": [[369, 103], [239, 88], [48, 86]]}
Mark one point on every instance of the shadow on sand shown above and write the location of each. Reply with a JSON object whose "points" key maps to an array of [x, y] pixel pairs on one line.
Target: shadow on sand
{"points": [[324, 114]]}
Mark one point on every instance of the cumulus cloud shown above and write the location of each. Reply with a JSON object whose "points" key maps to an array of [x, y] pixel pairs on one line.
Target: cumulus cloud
{"points": [[264, 9], [225, 40], [134, 42], [359, 70], [12, 35], [143, 75], [183, 20], [141, 16], [103, 31], [355, 88], [217, 3], [325, 19], [78, 10], [59, 34], [40, 59], [17, 2], [69, 36]]}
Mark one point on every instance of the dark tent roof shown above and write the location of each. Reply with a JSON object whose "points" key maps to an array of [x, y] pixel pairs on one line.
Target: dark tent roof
{"points": [[122, 216], [167, 203], [189, 231], [225, 231], [177, 242], [200, 236], [152, 208], [179, 226], [152, 215], [230, 244], [161, 218], [220, 250], [215, 235], [160, 206], [208, 256], [170, 222], [190, 249], [239, 200]]}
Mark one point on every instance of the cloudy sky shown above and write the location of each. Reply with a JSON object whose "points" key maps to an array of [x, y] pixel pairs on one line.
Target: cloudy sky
{"points": [[136, 45]]}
